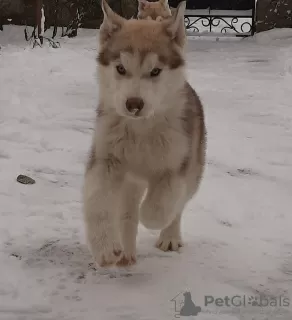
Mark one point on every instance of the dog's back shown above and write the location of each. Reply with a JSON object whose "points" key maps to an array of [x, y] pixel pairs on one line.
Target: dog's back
{"points": [[194, 124]]}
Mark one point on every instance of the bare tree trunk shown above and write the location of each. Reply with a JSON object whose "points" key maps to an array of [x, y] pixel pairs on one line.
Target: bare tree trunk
{"points": [[129, 8], [39, 8]]}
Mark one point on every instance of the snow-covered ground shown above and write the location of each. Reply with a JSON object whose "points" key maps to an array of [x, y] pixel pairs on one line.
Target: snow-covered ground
{"points": [[237, 230]]}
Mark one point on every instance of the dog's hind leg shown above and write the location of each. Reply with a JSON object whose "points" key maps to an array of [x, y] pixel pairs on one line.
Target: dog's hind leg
{"points": [[170, 237], [165, 197], [131, 197]]}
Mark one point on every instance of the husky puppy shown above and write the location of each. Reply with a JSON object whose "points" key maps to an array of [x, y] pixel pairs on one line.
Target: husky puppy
{"points": [[148, 149], [158, 10]]}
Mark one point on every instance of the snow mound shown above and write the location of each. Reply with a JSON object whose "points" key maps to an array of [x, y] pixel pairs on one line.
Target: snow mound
{"points": [[268, 37]]}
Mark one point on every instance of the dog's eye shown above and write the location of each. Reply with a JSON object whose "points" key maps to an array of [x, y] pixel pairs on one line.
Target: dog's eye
{"points": [[121, 70], [155, 72]]}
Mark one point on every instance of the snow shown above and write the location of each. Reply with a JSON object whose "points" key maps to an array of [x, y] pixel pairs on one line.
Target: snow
{"points": [[237, 229], [270, 36]]}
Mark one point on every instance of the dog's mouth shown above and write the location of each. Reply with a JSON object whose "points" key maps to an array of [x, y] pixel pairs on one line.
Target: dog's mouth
{"points": [[135, 112], [138, 114]]}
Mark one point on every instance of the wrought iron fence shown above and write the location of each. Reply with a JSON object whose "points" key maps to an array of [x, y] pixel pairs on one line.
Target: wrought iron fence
{"points": [[223, 16]]}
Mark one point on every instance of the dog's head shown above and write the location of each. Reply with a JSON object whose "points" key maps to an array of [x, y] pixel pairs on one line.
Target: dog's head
{"points": [[158, 10], [141, 63]]}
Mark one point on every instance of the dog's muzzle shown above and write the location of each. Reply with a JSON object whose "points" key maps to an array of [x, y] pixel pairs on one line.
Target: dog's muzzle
{"points": [[134, 105]]}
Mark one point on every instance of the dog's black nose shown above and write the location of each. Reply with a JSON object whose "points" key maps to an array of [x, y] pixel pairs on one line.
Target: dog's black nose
{"points": [[134, 105]]}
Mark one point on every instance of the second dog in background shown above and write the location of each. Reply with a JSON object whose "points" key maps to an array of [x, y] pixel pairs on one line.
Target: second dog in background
{"points": [[158, 10]]}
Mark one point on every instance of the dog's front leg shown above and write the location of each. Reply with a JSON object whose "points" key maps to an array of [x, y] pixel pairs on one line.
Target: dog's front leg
{"points": [[132, 193], [164, 200], [101, 200]]}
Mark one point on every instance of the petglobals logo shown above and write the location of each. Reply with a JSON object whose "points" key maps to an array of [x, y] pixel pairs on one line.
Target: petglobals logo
{"points": [[244, 301]]}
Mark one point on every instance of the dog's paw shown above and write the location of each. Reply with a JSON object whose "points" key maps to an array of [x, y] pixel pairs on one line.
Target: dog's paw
{"points": [[169, 243], [109, 254], [127, 260]]}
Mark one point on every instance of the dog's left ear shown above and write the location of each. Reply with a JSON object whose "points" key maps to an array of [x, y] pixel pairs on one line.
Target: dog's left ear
{"points": [[175, 25], [112, 22]]}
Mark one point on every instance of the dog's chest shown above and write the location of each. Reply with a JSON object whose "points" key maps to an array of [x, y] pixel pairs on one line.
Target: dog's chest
{"points": [[144, 151]]}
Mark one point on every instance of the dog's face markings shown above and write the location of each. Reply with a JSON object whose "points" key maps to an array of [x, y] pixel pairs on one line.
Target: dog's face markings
{"points": [[158, 10], [140, 63]]}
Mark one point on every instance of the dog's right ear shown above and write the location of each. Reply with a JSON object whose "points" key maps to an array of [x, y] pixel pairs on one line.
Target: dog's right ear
{"points": [[112, 22]]}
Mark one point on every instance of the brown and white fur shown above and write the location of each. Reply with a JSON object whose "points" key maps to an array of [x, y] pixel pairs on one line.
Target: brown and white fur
{"points": [[149, 137], [158, 10]]}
